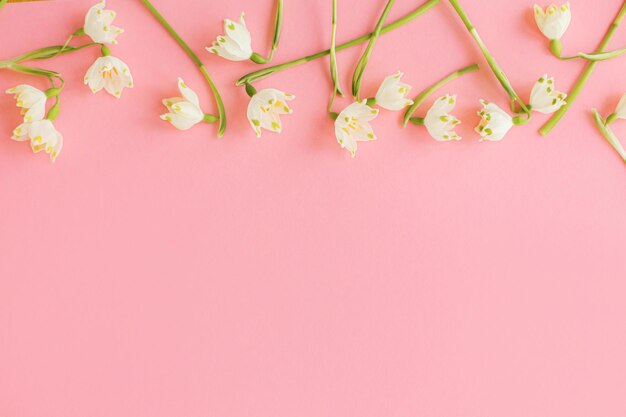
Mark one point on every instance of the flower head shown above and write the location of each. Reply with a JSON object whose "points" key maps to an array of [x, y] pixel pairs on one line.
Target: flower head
{"points": [[42, 135], [620, 110], [392, 93], [265, 108], [439, 123], [109, 73], [544, 98], [235, 44], [352, 125], [98, 24], [554, 20], [183, 112], [494, 123], [32, 101]]}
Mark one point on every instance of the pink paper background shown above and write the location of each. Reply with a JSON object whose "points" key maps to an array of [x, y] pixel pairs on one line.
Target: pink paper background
{"points": [[157, 273]]}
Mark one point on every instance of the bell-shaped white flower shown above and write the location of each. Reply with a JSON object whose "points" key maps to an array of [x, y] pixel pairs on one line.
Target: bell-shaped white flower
{"points": [[98, 24], [183, 112], [438, 121], [554, 20], [544, 98], [265, 108], [495, 122], [392, 93], [42, 135], [620, 110], [110, 73], [31, 100], [352, 125], [236, 43]]}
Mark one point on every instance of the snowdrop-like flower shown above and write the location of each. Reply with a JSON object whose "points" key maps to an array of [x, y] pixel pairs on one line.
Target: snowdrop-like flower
{"points": [[235, 44], [494, 123], [265, 108], [392, 93], [42, 135], [544, 98], [620, 110], [32, 101], [439, 123], [109, 73], [352, 125], [183, 112], [554, 20], [98, 24]]}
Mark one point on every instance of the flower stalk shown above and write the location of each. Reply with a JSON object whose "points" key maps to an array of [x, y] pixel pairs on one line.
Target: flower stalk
{"points": [[360, 66], [424, 94], [216, 95], [333, 57], [580, 83], [262, 73], [495, 67], [608, 134]]}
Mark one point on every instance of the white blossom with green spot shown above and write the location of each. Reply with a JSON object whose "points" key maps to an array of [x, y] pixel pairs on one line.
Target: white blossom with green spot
{"points": [[183, 112], [392, 94], [438, 121], [98, 24], [554, 20], [352, 125], [544, 98], [31, 100], [110, 73], [495, 123], [265, 108], [235, 44]]}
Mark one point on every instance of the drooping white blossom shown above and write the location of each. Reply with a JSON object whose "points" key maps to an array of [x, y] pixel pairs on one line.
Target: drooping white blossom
{"points": [[110, 73], [265, 108], [98, 24], [183, 112], [392, 93], [236, 43], [554, 20], [352, 125], [438, 121]]}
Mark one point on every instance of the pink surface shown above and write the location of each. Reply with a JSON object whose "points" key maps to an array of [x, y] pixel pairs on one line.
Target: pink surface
{"points": [[158, 273]]}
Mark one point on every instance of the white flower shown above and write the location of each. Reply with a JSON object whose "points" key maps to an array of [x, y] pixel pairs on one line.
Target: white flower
{"points": [[42, 135], [392, 93], [98, 24], [495, 122], [553, 22], [439, 122], [32, 101], [109, 73], [544, 98], [184, 112], [620, 110], [235, 44], [352, 125], [265, 108]]}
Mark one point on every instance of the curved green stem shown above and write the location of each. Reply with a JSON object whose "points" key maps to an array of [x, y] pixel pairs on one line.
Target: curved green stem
{"points": [[422, 96], [495, 67], [216, 95], [333, 57], [262, 73], [360, 66], [608, 134], [603, 56], [578, 87]]}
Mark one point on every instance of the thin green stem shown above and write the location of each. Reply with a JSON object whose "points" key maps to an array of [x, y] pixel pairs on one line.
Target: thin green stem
{"points": [[333, 57], [608, 134], [262, 73], [604, 56], [278, 25], [580, 83], [495, 67], [360, 66], [422, 96], [216, 95]]}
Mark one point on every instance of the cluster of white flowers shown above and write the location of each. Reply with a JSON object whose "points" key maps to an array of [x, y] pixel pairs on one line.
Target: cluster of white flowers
{"points": [[107, 72]]}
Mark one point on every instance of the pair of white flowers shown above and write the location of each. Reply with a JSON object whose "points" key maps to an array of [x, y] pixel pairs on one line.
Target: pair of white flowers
{"points": [[495, 122], [107, 72]]}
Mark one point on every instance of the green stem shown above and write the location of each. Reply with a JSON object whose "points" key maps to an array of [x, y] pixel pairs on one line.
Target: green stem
{"points": [[278, 25], [608, 134], [360, 66], [262, 73], [604, 56], [578, 87], [216, 95], [333, 57], [495, 67], [44, 53], [421, 97], [3, 2]]}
